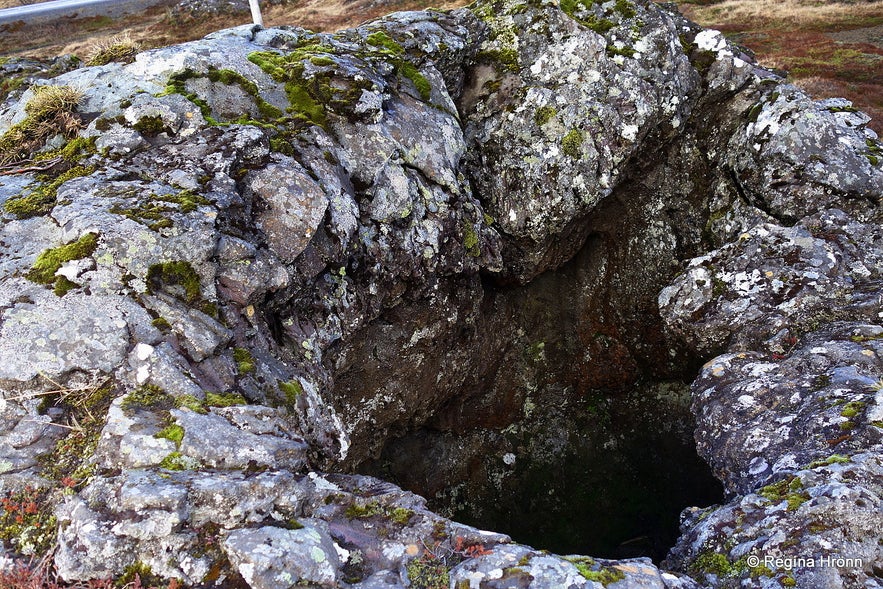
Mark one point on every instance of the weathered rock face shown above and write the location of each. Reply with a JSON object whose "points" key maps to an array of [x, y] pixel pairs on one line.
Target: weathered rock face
{"points": [[441, 237]]}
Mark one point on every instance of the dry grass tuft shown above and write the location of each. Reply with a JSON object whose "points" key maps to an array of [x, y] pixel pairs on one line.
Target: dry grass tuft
{"points": [[806, 14], [48, 101], [51, 111], [120, 48]]}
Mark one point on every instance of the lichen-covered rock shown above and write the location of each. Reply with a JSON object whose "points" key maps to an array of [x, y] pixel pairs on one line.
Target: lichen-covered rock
{"points": [[272, 557], [776, 283], [789, 414], [440, 238], [558, 123]]}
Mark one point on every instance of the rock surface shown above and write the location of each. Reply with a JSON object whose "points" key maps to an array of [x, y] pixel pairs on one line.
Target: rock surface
{"points": [[461, 248]]}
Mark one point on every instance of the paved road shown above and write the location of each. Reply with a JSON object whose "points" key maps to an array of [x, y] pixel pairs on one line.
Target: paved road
{"points": [[48, 11]]}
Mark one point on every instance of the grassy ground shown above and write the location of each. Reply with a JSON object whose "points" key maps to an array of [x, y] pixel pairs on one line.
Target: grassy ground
{"points": [[829, 48]]}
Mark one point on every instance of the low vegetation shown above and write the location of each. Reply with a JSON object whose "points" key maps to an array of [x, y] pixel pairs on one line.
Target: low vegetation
{"points": [[119, 48], [828, 48], [50, 111]]}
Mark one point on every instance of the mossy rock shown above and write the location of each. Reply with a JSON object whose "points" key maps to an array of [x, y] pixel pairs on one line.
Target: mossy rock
{"points": [[51, 260]]}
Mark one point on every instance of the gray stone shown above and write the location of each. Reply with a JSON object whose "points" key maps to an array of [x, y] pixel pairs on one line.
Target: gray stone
{"points": [[215, 442], [290, 206], [53, 335], [269, 558]]}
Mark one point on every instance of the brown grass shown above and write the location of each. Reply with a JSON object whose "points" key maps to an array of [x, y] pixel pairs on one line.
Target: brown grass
{"points": [[159, 26], [802, 14], [830, 49], [789, 34]]}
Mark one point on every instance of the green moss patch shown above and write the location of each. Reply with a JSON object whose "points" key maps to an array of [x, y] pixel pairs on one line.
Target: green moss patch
{"points": [[852, 409], [51, 111], [140, 571], [245, 363], [581, 12], [428, 572], [42, 199], [833, 459], [589, 569], [224, 399], [291, 389], [192, 403], [177, 461], [315, 92], [789, 489], [173, 432], [148, 396], [51, 260], [401, 515], [383, 41], [358, 511], [572, 144], [180, 280], [155, 211], [543, 115], [717, 564], [230, 77]]}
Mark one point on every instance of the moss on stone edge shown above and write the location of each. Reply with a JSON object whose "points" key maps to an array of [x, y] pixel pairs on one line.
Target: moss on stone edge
{"points": [[173, 432], [543, 115], [245, 363], [230, 77], [832, 459], [42, 199], [177, 461], [717, 564], [148, 396], [51, 260], [154, 212], [587, 568], [852, 409], [192, 403], [470, 240], [291, 390], [788, 489], [178, 278], [578, 11], [312, 95], [289, 70], [224, 399]]}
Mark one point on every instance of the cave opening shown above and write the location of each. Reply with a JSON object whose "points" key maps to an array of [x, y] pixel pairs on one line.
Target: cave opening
{"points": [[567, 421], [605, 476]]}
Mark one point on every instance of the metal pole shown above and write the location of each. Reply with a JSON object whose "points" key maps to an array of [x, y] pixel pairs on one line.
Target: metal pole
{"points": [[256, 12]]}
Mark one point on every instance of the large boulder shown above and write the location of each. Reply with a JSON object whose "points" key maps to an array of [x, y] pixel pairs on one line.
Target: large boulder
{"points": [[437, 241]]}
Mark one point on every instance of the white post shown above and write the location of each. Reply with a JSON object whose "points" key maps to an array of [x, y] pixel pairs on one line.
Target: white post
{"points": [[256, 12]]}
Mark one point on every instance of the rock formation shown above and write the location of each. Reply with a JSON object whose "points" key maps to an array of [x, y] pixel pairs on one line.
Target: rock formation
{"points": [[473, 251]]}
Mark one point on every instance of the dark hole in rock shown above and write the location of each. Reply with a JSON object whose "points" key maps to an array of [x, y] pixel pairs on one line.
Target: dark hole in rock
{"points": [[555, 411], [606, 477], [571, 430]]}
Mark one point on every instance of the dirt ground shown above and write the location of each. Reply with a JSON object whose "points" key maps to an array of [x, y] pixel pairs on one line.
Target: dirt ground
{"points": [[828, 48]]}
